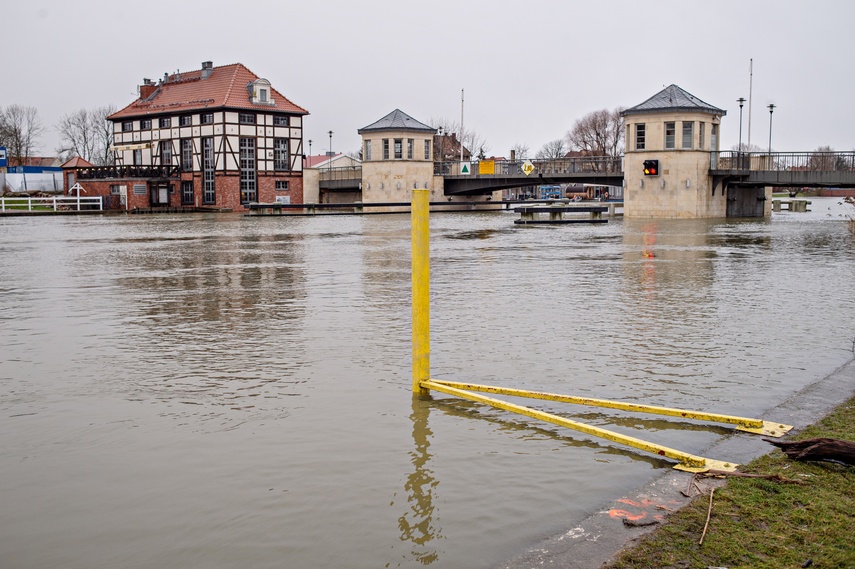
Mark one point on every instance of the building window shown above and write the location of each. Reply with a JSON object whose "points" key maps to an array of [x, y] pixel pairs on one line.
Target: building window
{"points": [[670, 135], [209, 195], [281, 185], [187, 192], [280, 154], [639, 136], [166, 153], [410, 144], [145, 124], [367, 153], [385, 149], [248, 189], [206, 118], [714, 137], [187, 154], [262, 95], [115, 190], [688, 131], [127, 126], [280, 121], [185, 120], [137, 157], [427, 149], [399, 148], [246, 118], [700, 136], [165, 122]]}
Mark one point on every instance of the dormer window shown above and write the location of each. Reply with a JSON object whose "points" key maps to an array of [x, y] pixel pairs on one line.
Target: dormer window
{"points": [[260, 92]]}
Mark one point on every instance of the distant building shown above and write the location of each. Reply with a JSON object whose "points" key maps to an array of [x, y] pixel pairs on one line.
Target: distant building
{"points": [[31, 174], [218, 137]]}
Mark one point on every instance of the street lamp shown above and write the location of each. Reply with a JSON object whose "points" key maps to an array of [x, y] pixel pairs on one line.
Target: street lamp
{"points": [[310, 148], [771, 108], [331, 154], [741, 101]]}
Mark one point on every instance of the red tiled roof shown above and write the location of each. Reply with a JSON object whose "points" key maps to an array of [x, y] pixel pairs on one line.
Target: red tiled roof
{"points": [[225, 87], [77, 162], [312, 161]]}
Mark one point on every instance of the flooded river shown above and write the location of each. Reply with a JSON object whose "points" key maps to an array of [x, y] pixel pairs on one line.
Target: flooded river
{"points": [[221, 391]]}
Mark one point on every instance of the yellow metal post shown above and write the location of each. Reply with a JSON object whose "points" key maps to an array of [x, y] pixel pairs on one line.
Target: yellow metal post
{"points": [[420, 216]]}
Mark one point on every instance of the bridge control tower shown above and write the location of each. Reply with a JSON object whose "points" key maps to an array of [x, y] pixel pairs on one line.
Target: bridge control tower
{"points": [[670, 138], [397, 158]]}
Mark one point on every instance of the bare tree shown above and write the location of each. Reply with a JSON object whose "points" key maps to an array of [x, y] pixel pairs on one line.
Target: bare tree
{"points": [[471, 140], [825, 159], [599, 132], [746, 148], [87, 133], [552, 149], [20, 128]]}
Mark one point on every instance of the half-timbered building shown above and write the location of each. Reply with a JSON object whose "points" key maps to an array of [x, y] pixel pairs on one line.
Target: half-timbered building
{"points": [[218, 137]]}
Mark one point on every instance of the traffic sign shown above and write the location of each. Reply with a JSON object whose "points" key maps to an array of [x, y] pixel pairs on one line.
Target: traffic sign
{"points": [[465, 168], [527, 167]]}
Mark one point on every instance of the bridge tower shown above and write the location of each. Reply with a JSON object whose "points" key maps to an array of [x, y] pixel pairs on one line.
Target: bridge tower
{"points": [[397, 157], [670, 139]]}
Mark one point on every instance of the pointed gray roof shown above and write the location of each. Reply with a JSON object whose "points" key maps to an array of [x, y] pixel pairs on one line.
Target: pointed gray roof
{"points": [[396, 120], [673, 98]]}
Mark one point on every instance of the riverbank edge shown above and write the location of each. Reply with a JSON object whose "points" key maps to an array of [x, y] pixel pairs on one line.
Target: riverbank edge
{"points": [[600, 537]]}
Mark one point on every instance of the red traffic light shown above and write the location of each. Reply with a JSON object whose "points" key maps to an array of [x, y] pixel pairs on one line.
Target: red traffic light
{"points": [[651, 167]]}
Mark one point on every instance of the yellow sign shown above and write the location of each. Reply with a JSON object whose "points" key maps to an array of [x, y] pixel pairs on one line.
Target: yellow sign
{"points": [[527, 167], [487, 167]]}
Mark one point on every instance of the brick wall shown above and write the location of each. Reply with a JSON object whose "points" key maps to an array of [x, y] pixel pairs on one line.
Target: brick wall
{"points": [[227, 190]]}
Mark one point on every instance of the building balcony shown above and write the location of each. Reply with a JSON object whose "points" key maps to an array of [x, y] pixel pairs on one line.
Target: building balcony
{"points": [[127, 172]]}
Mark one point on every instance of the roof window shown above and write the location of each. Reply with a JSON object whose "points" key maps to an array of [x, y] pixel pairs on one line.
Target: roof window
{"points": [[260, 92]]}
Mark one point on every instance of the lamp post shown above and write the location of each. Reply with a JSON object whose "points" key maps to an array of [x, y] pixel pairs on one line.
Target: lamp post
{"points": [[741, 101], [329, 158], [771, 108], [310, 148]]}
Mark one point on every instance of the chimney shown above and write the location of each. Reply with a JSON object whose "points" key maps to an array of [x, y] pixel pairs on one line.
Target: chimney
{"points": [[207, 69], [147, 88]]}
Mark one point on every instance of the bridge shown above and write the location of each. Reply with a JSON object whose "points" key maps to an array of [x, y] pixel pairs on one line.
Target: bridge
{"points": [[730, 168], [784, 169]]}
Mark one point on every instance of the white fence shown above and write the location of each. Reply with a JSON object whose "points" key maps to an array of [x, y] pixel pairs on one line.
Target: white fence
{"points": [[53, 203]]}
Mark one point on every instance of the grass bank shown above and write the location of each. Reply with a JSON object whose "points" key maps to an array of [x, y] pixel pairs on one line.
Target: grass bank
{"points": [[803, 517]]}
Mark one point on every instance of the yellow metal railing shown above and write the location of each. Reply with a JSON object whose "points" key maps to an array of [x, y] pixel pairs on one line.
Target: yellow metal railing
{"points": [[423, 383]]}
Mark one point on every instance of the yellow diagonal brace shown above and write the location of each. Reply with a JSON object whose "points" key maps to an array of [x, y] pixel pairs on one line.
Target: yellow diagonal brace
{"points": [[688, 462], [757, 426]]}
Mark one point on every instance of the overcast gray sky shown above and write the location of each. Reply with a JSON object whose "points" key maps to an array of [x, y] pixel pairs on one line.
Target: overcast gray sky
{"points": [[529, 69]]}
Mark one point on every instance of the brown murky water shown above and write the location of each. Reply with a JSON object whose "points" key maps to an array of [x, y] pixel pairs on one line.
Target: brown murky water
{"points": [[192, 391]]}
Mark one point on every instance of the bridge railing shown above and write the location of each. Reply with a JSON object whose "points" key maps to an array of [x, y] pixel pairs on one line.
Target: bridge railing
{"points": [[576, 165], [783, 161], [340, 173]]}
